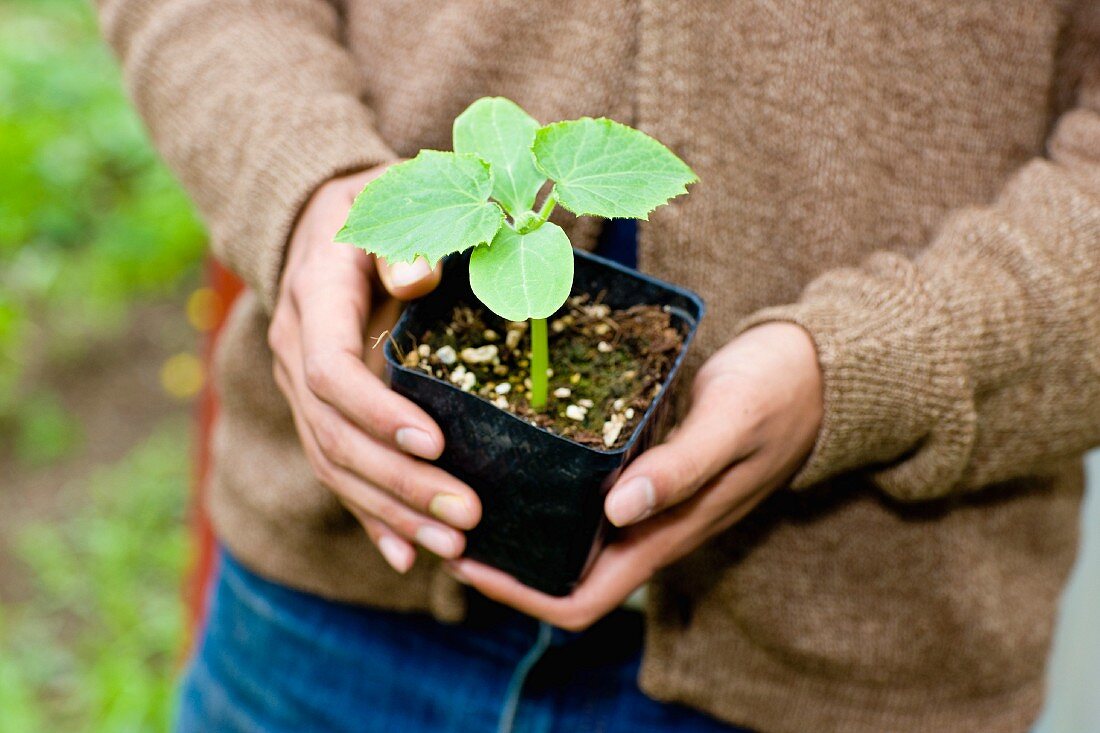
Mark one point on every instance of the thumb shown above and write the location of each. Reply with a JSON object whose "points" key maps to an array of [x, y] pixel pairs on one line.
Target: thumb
{"points": [[707, 442], [406, 281]]}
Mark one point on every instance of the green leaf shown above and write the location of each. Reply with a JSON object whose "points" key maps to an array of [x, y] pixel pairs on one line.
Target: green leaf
{"points": [[602, 168], [521, 276], [430, 206], [498, 131]]}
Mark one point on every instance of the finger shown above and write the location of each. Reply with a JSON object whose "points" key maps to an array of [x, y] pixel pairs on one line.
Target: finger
{"points": [[619, 574], [708, 441], [344, 382], [366, 497], [620, 568], [374, 502], [332, 306], [406, 281], [364, 468], [396, 551], [421, 486]]}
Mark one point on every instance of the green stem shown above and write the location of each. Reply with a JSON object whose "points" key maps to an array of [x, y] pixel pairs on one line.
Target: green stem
{"points": [[540, 362], [548, 206]]}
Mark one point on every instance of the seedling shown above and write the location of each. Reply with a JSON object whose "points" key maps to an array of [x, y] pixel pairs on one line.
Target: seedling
{"points": [[482, 195]]}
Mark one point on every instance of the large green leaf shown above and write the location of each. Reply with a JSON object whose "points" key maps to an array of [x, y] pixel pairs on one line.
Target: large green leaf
{"points": [[498, 131], [430, 206], [521, 276], [602, 168]]}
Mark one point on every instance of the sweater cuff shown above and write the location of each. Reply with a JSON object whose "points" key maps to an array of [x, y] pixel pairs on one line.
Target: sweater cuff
{"points": [[318, 140], [897, 401]]}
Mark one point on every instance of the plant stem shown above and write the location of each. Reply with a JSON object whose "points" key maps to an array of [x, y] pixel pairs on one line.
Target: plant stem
{"points": [[540, 362], [548, 206]]}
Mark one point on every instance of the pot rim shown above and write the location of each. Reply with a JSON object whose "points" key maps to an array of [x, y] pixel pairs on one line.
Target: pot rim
{"points": [[692, 322]]}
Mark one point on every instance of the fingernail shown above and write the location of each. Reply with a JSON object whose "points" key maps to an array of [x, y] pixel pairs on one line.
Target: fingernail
{"points": [[417, 442], [451, 509], [437, 540], [631, 502], [399, 555], [403, 274]]}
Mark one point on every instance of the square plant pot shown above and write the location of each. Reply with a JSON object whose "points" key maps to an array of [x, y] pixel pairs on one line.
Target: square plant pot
{"points": [[541, 494]]}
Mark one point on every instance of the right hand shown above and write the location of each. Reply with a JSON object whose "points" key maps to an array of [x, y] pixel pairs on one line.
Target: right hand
{"points": [[363, 440]]}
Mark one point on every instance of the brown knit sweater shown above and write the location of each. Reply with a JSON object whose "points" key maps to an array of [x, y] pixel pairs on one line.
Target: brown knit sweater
{"points": [[917, 183]]}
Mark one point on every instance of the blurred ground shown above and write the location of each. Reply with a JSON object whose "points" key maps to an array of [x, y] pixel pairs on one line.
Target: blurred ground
{"points": [[93, 545], [115, 397], [99, 254]]}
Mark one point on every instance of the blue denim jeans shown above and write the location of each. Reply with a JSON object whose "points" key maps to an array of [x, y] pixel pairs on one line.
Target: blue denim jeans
{"points": [[277, 660]]}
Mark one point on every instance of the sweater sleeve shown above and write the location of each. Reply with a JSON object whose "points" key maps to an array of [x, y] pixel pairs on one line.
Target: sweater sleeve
{"points": [[254, 104], [978, 360]]}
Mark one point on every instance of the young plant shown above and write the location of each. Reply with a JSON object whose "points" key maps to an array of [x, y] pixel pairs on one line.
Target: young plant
{"points": [[482, 195]]}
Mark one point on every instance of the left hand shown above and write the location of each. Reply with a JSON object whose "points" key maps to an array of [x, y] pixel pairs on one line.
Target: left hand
{"points": [[755, 414]]}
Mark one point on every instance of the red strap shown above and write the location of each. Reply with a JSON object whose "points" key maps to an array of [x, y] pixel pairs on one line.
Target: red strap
{"points": [[226, 287]]}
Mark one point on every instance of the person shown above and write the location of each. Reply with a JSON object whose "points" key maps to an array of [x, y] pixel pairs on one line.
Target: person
{"points": [[862, 521]]}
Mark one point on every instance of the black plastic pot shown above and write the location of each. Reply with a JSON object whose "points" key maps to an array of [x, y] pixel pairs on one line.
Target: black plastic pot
{"points": [[541, 494]]}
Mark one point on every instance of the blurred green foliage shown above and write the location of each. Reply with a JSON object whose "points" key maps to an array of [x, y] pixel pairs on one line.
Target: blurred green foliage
{"points": [[91, 225], [97, 645], [89, 219], [45, 432]]}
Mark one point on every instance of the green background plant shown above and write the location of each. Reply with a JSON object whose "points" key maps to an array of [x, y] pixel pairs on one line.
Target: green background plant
{"points": [[98, 250], [90, 221], [97, 645]]}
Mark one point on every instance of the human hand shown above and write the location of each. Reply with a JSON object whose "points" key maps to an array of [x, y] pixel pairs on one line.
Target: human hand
{"points": [[362, 439], [756, 411]]}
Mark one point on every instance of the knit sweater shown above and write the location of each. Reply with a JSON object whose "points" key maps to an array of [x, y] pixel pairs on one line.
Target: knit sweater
{"points": [[916, 183]]}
